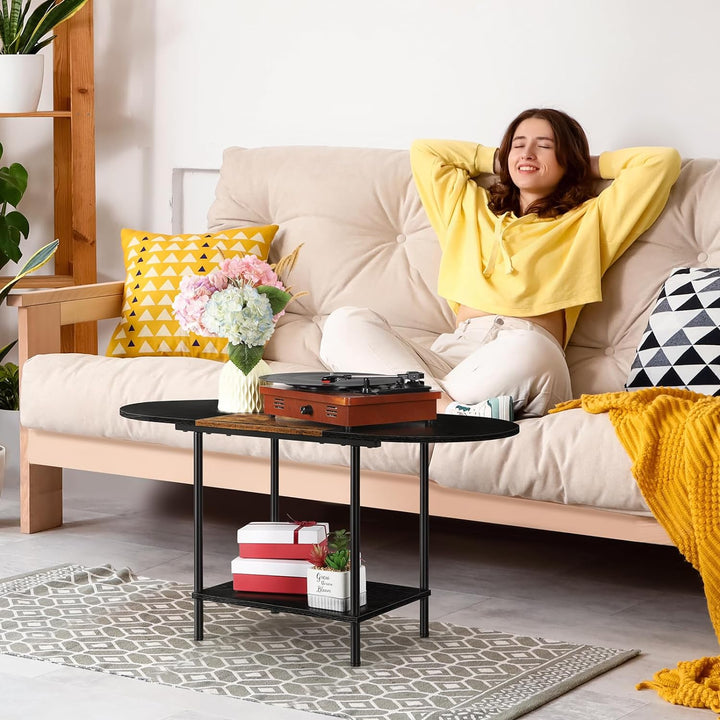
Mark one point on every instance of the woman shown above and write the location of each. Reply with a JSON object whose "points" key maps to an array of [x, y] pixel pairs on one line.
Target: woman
{"points": [[519, 261]]}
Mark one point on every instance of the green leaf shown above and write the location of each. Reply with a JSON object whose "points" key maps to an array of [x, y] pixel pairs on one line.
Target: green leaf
{"points": [[24, 12], [339, 540], [15, 8], [5, 25], [9, 241], [37, 260], [21, 45], [338, 560], [9, 387], [245, 357], [4, 351], [12, 37], [43, 43], [278, 298], [13, 183], [55, 14], [18, 220]]}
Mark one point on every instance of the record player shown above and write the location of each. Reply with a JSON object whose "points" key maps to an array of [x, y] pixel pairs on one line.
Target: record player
{"points": [[349, 399]]}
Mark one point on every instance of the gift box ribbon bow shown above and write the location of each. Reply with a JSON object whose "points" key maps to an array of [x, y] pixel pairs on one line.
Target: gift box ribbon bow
{"points": [[301, 524]]}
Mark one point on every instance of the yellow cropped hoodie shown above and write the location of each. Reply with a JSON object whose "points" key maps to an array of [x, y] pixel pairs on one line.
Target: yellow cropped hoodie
{"points": [[525, 266]]}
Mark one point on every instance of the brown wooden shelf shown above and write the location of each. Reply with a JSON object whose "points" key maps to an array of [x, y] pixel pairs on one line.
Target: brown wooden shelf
{"points": [[73, 155], [41, 281], [38, 114]]}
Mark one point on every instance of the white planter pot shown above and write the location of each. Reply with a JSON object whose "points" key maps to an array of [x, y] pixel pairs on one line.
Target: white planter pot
{"points": [[330, 590], [9, 445], [21, 81]]}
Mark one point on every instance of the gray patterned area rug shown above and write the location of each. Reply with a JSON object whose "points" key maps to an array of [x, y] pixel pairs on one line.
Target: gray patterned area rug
{"points": [[112, 621]]}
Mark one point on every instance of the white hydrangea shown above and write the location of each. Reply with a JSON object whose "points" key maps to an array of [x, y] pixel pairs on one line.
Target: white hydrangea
{"points": [[241, 314]]}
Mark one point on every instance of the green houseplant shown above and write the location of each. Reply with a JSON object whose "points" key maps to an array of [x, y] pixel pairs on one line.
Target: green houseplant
{"points": [[14, 226], [9, 373], [25, 33]]}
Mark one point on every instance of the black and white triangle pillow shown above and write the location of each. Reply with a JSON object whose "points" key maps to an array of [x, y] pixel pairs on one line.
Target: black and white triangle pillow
{"points": [[681, 346]]}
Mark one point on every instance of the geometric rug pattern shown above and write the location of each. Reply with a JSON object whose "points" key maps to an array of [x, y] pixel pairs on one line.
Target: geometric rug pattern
{"points": [[112, 621], [680, 347]]}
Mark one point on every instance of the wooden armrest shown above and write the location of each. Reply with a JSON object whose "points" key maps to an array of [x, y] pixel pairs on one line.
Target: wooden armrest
{"points": [[41, 313], [30, 298]]}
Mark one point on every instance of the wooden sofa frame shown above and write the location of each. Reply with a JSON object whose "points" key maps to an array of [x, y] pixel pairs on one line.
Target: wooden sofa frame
{"points": [[43, 455]]}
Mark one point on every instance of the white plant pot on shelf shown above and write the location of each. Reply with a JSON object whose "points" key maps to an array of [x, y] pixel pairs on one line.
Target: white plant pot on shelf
{"points": [[9, 446], [21, 81], [330, 589]]}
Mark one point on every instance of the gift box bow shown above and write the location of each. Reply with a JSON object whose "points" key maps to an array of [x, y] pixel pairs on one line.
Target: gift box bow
{"points": [[301, 524]]}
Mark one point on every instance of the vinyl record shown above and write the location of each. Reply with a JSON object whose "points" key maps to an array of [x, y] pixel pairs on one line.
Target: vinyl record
{"points": [[328, 380]]}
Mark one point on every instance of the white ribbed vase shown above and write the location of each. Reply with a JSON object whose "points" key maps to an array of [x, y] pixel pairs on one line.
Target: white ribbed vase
{"points": [[240, 393]]}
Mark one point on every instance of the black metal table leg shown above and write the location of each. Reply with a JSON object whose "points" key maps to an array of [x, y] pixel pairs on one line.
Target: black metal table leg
{"points": [[424, 537], [197, 531], [274, 486], [355, 554], [274, 479]]}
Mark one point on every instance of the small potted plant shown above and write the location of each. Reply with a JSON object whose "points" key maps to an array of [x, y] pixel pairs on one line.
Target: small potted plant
{"points": [[13, 227], [9, 373], [22, 35], [328, 581]]}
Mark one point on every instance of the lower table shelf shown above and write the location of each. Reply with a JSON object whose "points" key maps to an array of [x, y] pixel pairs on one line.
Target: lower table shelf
{"points": [[381, 597]]}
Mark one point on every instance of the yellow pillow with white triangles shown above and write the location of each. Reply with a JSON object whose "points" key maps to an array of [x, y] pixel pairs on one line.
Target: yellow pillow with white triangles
{"points": [[154, 266]]}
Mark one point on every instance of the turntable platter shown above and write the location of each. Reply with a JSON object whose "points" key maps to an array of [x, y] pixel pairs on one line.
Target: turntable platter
{"points": [[366, 383]]}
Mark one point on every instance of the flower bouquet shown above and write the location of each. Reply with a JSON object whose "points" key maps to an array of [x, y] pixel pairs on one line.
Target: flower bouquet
{"points": [[241, 300]]}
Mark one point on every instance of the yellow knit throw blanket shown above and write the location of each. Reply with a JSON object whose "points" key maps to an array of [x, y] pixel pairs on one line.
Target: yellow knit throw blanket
{"points": [[673, 439]]}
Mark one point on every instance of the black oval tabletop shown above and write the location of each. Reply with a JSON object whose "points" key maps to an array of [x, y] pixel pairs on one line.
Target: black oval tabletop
{"points": [[446, 428]]}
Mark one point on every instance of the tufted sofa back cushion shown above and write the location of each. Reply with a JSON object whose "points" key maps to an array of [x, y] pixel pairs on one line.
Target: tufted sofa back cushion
{"points": [[367, 242], [366, 239]]}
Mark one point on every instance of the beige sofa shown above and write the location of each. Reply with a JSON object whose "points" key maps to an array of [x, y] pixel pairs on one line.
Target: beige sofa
{"points": [[367, 242]]}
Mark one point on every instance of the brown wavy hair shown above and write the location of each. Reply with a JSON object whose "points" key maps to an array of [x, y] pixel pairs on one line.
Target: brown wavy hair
{"points": [[573, 154]]}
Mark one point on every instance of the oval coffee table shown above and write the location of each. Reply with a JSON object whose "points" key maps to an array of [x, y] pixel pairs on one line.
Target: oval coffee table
{"points": [[202, 417]]}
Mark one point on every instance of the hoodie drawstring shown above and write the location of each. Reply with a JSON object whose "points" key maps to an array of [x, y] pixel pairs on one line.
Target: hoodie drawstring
{"points": [[498, 245]]}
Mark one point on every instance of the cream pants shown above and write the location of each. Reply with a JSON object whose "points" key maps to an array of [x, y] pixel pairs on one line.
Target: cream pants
{"points": [[485, 357]]}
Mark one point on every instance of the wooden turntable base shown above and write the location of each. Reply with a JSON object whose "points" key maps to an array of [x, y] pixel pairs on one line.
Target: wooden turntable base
{"points": [[349, 409]]}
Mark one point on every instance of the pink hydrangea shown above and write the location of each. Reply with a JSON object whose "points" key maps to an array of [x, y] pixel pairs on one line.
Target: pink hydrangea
{"points": [[249, 269], [189, 304]]}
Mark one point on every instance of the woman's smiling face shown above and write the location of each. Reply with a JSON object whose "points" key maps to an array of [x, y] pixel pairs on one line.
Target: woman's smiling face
{"points": [[532, 163]]}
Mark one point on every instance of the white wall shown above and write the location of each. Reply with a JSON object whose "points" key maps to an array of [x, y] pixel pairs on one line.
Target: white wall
{"points": [[179, 80]]}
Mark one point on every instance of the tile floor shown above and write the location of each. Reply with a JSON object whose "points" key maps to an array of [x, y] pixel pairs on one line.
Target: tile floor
{"points": [[520, 581]]}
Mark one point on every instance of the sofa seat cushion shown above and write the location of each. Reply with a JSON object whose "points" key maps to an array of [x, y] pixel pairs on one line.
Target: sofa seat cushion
{"points": [[76, 394], [554, 458], [81, 395]]}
